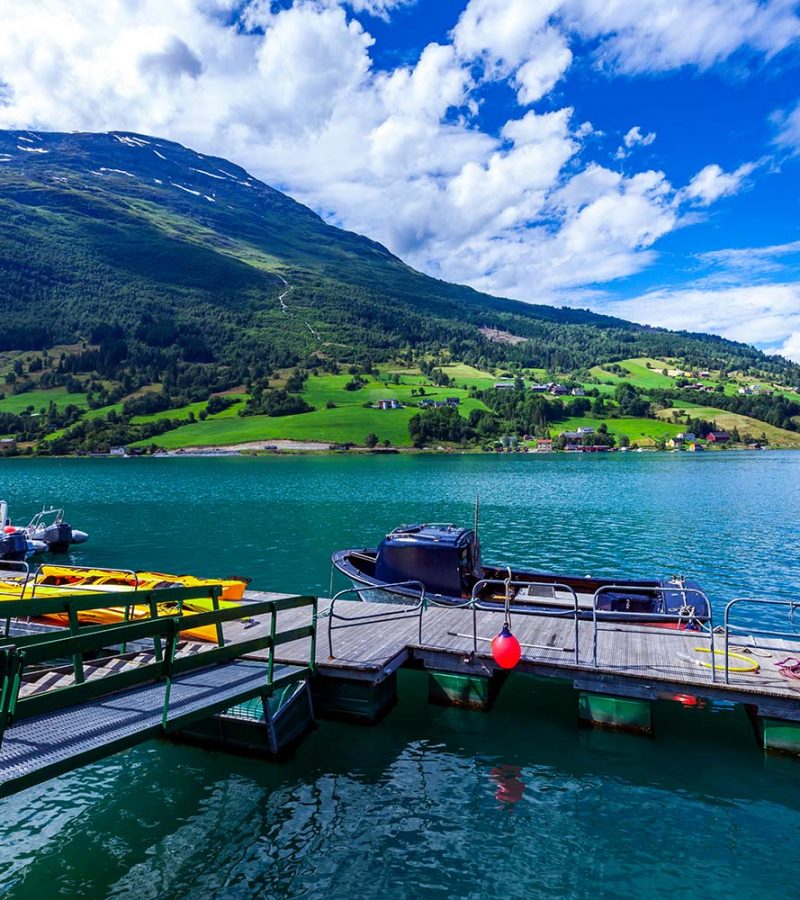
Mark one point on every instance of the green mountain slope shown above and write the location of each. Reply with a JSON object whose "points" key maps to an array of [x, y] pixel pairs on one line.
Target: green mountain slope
{"points": [[188, 252]]}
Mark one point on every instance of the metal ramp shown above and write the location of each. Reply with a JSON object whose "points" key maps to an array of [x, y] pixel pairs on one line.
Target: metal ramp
{"points": [[56, 717], [48, 745]]}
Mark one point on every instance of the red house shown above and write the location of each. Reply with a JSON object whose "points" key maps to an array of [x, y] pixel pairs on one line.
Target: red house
{"points": [[718, 437]]}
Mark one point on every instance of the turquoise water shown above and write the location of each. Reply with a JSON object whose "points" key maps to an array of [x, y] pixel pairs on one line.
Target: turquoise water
{"points": [[432, 802]]}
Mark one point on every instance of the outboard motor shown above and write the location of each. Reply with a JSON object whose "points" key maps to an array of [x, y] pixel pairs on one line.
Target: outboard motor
{"points": [[57, 536], [13, 544]]}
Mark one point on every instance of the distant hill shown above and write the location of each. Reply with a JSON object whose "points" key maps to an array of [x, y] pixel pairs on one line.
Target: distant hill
{"points": [[158, 263]]}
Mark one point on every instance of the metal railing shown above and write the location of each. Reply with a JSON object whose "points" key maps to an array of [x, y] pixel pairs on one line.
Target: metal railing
{"points": [[516, 606], [682, 617], [791, 605], [391, 615], [34, 650]]}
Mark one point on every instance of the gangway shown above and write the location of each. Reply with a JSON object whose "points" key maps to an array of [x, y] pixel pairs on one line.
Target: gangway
{"points": [[133, 696]]}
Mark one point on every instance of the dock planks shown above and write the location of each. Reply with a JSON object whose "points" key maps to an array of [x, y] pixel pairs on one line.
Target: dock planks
{"points": [[632, 659]]}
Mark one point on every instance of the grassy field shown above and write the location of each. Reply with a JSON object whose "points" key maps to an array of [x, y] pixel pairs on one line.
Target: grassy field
{"points": [[17, 403], [348, 422], [182, 412], [640, 374], [464, 376], [777, 437], [344, 424], [640, 431]]}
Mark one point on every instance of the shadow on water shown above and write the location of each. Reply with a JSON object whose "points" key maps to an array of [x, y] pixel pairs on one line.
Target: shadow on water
{"points": [[426, 802]]}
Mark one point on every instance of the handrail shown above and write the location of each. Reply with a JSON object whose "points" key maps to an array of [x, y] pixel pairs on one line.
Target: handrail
{"points": [[164, 629], [10, 672], [626, 615], [392, 616], [88, 600], [520, 608], [757, 601]]}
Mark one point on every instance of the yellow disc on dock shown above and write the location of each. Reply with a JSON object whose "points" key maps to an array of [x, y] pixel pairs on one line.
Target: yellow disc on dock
{"points": [[750, 665]]}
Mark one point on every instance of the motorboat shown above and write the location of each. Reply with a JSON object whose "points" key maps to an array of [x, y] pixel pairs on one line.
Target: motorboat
{"points": [[46, 532], [444, 562], [50, 528]]}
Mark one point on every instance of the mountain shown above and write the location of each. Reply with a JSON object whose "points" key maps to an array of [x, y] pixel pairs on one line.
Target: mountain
{"points": [[188, 252]]}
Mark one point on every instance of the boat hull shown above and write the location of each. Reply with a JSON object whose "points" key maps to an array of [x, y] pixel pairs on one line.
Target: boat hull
{"points": [[620, 600]]}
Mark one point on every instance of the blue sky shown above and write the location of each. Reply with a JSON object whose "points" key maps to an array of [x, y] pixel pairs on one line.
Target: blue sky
{"points": [[641, 159]]}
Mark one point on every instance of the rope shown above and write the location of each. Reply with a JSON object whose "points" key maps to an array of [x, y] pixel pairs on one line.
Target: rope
{"points": [[749, 665]]}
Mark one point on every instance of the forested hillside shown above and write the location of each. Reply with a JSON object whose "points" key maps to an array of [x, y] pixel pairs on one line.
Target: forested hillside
{"points": [[136, 271]]}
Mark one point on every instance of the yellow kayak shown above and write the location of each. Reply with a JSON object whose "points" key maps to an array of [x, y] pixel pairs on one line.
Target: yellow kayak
{"points": [[232, 588], [114, 615], [55, 581]]}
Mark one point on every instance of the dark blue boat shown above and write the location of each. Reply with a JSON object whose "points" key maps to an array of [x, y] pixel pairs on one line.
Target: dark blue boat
{"points": [[446, 559]]}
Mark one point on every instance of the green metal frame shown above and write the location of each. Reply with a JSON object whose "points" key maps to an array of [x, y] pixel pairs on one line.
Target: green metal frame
{"points": [[33, 650]]}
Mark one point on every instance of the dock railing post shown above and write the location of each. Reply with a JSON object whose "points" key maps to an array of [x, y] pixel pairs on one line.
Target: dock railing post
{"points": [[312, 655], [215, 592], [272, 630], [77, 657], [153, 606], [171, 646]]}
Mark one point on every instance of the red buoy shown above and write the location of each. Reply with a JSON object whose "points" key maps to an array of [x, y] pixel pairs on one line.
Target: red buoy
{"points": [[506, 650]]}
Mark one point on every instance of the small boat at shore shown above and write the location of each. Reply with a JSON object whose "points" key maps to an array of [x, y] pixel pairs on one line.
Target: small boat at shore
{"points": [[446, 560], [46, 532]]}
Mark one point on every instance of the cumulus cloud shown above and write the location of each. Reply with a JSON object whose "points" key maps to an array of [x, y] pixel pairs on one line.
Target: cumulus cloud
{"points": [[711, 183], [634, 138], [292, 94], [667, 34], [768, 315]]}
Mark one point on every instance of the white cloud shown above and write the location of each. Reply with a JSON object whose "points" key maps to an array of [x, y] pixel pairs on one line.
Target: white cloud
{"points": [[711, 183], [379, 8], [667, 34], [634, 138], [788, 123], [767, 315], [397, 154]]}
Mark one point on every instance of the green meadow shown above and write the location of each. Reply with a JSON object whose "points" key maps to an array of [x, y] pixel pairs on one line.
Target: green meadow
{"points": [[18, 403]]}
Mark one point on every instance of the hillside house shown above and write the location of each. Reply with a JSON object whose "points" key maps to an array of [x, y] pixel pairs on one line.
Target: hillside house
{"points": [[578, 392], [718, 437], [685, 436], [388, 404], [585, 429], [540, 388], [504, 385], [453, 401], [558, 390]]}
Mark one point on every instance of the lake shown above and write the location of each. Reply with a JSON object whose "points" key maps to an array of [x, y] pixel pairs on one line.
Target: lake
{"points": [[432, 802]]}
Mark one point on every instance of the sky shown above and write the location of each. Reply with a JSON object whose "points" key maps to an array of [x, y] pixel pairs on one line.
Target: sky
{"points": [[640, 159]]}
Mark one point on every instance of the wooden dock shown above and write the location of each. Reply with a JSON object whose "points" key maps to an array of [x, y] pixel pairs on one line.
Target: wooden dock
{"points": [[633, 664]]}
